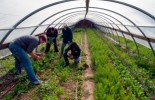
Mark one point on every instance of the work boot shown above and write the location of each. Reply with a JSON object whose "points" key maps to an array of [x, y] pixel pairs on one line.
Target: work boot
{"points": [[17, 72], [37, 82], [66, 65], [56, 50]]}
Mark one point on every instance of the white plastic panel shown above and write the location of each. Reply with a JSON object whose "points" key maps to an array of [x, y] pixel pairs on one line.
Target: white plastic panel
{"points": [[134, 30], [39, 30], [3, 33], [62, 15], [142, 42], [96, 20], [71, 17], [147, 5], [13, 10], [128, 37], [113, 32], [149, 32], [123, 20], [120, 34], [104, 15], [134, 15], [153, 45], [4, 53], [115, 26], [122, 28], [41, 15], [17, 33]]}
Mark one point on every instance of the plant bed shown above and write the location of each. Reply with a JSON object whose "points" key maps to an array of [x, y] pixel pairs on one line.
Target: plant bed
{"points": [[58, 82]]}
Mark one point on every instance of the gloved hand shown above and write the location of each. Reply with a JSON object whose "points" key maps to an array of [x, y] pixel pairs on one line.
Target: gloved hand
{"points": [[61, 37], [53, 38], [64, 53], [69, 42], [50, 38]]}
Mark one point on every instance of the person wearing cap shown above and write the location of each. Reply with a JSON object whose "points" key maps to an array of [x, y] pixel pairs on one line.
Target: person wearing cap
{"points": [[19, 48], [51, 34], [67, 37], [75, 53]]}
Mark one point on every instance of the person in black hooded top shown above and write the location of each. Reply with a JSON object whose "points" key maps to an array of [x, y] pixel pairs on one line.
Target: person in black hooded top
{"points": [[51, 34], [75, 53]]}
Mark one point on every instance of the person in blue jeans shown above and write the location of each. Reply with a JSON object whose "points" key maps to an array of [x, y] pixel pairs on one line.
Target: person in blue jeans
{"points": [[75, 53], [19, 49], [67, 38]]}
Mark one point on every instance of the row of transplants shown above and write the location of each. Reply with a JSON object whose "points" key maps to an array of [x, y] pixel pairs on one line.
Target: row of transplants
{"points": [[118, 76]]}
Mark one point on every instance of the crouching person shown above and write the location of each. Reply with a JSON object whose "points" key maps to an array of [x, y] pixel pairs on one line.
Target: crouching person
{"points": [[75, 53], [19, 48]]}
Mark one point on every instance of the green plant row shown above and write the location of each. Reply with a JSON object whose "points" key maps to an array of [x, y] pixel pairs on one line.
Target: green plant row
{"points": [[140, 75], [109, 85], [146, 58]]}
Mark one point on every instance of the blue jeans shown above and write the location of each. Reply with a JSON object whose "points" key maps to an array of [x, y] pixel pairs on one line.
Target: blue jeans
{"points": [[21, 58], [77, 60], [62, 47]]}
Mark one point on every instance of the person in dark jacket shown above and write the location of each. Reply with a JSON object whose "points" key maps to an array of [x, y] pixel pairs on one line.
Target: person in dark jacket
{"points": [[67, 37], [51, 34], [19, 49], [75, 53]]}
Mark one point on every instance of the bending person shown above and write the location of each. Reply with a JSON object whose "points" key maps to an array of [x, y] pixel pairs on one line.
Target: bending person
{"points": [[19, 48], [51, 34]]}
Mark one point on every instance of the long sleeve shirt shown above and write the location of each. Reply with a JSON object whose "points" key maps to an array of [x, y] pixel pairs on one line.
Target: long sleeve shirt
{"points": [[28, 42], [67, 35], [52, 34], [75, 51]]}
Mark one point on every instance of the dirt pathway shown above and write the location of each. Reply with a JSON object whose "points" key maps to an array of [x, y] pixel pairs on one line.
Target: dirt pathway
{"points": [[87, 85], [7, 83]]}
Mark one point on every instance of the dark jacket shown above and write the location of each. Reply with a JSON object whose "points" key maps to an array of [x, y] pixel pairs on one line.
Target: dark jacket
{"points": [[67, 35], [52, 34], [75, 51]]}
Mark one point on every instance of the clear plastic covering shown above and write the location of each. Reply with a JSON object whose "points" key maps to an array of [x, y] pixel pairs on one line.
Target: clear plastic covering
{"points": [[30, 17]]}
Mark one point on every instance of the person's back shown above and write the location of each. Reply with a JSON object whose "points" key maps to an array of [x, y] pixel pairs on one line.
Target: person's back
{"points": [[48, 33], [55, 34], [67, 35], [51, 34], [75, 52], [27, 42]]}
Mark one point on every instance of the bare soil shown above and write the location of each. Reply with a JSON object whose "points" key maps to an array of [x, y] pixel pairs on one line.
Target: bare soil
{"points": [[7, 83], [27, 95], [69, 89], [87, 85]]}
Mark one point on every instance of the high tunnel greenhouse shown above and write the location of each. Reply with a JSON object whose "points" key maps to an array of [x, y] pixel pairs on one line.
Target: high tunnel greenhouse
{"points": [[117, 50]]}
